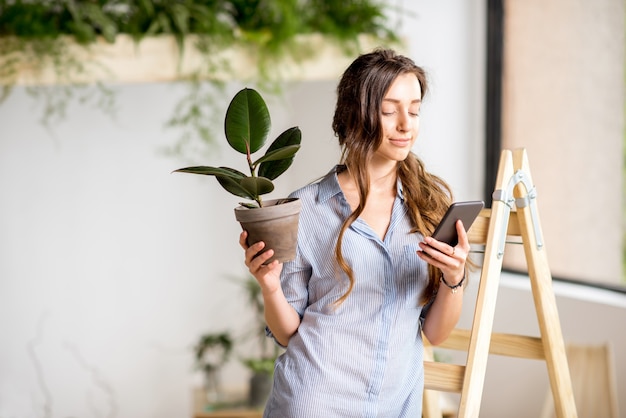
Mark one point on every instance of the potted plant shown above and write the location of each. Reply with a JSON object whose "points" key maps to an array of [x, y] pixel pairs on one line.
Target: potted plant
{"points": [[246, 126], [211, 352]]}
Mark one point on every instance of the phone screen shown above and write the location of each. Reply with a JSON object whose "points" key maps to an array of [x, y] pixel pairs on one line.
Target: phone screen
{"points": [[465, 211]]}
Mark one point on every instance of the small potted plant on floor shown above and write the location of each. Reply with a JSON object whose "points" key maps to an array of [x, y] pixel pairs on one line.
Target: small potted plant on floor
{"points": [[211, 352], [247, 125]]}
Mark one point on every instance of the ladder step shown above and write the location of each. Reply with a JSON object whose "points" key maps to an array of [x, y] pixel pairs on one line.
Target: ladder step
{"points": [[479, 230], [510, 345], [443, 376]]}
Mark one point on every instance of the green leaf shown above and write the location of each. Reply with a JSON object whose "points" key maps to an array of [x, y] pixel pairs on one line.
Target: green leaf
{"points": [[249, 205], [147, 6], [100, 20], [291, 136], [212, 171], [280, 154], [163, 22], [247, 121], [229, 178], [233, 186], [180, 17], [262, 365], [83, 32], [288, 143], [257, 186]]}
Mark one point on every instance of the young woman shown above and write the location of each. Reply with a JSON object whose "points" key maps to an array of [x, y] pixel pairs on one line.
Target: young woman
{"points": [[367, 279]]}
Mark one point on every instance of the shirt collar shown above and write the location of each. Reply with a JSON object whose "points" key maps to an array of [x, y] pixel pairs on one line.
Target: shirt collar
{"points": [[400, 190], [329, 185]]}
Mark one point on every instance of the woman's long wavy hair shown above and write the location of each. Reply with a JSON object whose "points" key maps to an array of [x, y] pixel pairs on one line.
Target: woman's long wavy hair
{"points": [[357, 124]]}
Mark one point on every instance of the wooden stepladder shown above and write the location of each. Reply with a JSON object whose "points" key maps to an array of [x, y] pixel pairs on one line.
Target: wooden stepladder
{"points": [[514, 187]]}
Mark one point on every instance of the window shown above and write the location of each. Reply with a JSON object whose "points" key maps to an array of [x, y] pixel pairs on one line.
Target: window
{"points": [[558, 91]]}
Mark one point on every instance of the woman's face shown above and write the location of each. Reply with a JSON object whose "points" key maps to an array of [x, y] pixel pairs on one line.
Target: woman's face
{"points": [[400, 118]]}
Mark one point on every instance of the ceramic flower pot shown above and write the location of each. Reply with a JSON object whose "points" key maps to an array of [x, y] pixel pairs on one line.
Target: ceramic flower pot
{"points": [[274, 224], [259, 390]]}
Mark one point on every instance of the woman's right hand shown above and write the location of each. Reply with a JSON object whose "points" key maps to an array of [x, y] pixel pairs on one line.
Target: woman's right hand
{"points": [[268, 276]]}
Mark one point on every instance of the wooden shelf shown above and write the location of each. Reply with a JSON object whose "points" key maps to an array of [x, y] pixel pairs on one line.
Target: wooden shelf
{"points": [[158, 59]]}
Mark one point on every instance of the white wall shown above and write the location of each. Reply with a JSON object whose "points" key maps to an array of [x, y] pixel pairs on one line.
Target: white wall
{"points": [[111, 267]]}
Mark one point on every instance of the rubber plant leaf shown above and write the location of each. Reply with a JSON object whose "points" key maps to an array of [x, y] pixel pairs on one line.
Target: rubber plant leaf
{"points": [[212, 171], [232, 183], [257, 186], [280, 153], [233, 186], [276, 162], [228, 178], [247, 122]]}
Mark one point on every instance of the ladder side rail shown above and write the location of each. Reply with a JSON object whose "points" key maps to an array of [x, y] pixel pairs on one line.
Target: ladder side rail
{"points": [[543, 294], [482, 323]]}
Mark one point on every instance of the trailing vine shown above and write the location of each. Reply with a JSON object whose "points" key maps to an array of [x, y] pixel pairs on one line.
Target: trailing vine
{"points": [[54, 36]]}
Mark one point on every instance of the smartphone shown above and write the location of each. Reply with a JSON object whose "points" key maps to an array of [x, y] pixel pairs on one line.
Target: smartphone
{"points": [[465, 211]]}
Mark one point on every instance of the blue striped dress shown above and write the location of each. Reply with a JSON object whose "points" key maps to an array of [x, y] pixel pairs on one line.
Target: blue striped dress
{"points": [[363, 358]]}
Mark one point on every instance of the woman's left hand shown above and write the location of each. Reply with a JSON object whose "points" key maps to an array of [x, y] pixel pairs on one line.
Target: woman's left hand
{"points": [[450, 260]]}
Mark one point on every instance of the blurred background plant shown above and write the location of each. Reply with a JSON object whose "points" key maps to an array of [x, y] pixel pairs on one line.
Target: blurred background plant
{"points": [[211, 352]]}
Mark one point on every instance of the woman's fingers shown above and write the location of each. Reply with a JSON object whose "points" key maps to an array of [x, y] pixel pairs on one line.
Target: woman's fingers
{"points": [[268, 276], [462, 234], [242, 240], [253, 260], [257, 260], [446, 257], [252, 250], [436, 249]]}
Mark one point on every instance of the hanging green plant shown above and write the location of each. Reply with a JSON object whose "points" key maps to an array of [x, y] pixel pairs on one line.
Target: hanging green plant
{"points": [[53, 40]]}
